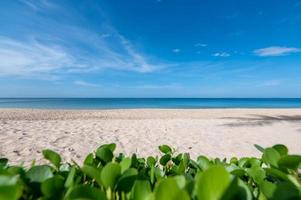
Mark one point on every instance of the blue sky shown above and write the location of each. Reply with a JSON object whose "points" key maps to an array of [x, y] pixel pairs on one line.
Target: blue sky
{"points": [[150, 48]]}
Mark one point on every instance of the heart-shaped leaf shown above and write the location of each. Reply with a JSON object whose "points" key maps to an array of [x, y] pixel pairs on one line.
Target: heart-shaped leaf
{"points": [[110, 174], [271, 157], [105, 154]]}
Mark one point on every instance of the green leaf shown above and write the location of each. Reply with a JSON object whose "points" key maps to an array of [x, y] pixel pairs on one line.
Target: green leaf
{"points": [[93, 173], [70, 178], [237, 190], [165, 149], [105, 154], [125, 164], [257, 174], [39, 173], [271, 157], [3, 162], [53, 157], [85, 192], [141, 190], [282, 150], [259, 148], [267, 188], [127, 179], [53, 187], [212, 183], [286, 191], [9, 188], [164, 159], [89, 159], [169, 189], [203, 162], [151, 161], [110, 174], [290, 161]]}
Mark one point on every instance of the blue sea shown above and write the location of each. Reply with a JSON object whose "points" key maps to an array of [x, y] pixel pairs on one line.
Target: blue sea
{"points": [[130, 103]]}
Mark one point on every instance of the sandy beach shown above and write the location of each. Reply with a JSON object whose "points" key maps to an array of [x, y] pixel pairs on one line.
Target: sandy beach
{"points": [[213, 132]]}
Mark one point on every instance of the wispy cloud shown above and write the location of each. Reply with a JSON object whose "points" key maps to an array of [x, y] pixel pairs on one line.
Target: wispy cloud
{"points": [[275, 51], [200, 45], [32, 58], [37, 4], [85, 84], [271, 83], [221, 54], [39, 59], [176, 50]]}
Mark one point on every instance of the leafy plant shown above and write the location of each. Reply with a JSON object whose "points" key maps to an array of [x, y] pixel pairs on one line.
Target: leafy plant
{"points": [[105, 176]]}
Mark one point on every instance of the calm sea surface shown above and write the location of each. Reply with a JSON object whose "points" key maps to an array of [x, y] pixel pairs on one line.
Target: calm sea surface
{"points": [[125, 103]]}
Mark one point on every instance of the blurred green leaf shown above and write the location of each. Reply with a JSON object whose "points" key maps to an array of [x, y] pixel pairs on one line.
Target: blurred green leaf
{"points": [[3, 162], [141, 190], [257, 173], [53, 157], [203, 162], [290, 161], [125, 164], [259, 148], [110, 174], [169, 189], [53, 187], [267, 188], [39, 173], [212, 183], [9, 188], [105, 154], [271, 156], [70, 178], [93, 173], [127, 179], [237, 190], [281, 149], [85, 192]]}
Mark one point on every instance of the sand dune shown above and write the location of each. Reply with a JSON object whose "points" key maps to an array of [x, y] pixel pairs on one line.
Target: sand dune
{"points": [[214, 132]]}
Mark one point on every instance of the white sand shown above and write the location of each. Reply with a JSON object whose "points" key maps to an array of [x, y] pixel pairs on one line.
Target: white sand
{"points": [[214, 132]]}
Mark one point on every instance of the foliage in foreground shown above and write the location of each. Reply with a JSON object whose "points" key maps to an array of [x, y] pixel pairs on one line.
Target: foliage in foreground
{"points": [[173, 176]]}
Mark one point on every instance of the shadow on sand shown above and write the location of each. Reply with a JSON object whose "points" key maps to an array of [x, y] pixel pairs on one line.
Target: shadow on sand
{"points": [[262, 120]]}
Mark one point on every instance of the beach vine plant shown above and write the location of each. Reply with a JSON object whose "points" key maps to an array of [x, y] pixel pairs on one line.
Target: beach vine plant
{"points": [[104, 175]]}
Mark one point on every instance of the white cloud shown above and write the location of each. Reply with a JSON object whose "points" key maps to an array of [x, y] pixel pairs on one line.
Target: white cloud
{"points": [[85, 84], [221, 54], [200, 45], [275, 51], [176, 50], [32, 58]]}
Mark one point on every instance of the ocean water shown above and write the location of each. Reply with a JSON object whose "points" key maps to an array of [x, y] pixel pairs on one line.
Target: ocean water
{"points": [[130, 103]]}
